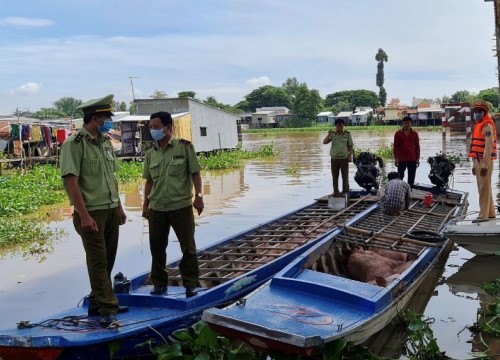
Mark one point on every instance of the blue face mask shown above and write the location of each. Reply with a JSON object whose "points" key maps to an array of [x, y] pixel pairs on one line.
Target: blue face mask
{"points": [[157, 135], [478, 115], [108, 125]]}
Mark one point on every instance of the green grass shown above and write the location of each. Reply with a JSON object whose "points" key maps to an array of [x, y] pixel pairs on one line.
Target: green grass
{"points": [[233, 159], [25, 192]]}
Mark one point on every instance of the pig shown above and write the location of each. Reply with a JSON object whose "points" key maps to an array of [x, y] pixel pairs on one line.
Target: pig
{"points": [[391, 254], [371, 267]]}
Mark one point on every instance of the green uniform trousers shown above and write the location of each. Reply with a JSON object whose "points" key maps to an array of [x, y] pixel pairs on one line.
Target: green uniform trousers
{"points": [[100, 249], [342, 166], [182, 221]]}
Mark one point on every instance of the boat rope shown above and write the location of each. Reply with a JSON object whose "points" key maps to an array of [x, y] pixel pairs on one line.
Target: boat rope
{"points": [[67, 323]]}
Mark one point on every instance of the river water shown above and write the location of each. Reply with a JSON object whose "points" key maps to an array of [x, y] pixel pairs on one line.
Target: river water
{"points": [[42, 283]]}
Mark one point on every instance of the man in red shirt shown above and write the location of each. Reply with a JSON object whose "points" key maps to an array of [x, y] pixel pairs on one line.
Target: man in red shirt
{"points": [[407, 150]]}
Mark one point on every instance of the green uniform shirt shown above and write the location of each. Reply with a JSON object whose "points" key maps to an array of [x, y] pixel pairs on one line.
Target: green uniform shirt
{"points": [[94, 162], [340, 144], [171, 170]]}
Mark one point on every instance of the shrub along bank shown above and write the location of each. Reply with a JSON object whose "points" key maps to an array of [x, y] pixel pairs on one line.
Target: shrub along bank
{"points": [[23, 193]]}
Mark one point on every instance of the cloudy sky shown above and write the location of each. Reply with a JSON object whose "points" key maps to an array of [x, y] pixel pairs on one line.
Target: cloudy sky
{"points": [[226, 48]]}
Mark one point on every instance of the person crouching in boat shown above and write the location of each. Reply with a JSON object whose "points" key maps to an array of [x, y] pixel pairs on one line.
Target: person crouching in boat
{"points": [[483, 150], [397, 195]]}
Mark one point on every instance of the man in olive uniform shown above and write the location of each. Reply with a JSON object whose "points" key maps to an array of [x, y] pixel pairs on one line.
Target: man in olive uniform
{"points": [[171, 169], [88, 164], [341, 155]]}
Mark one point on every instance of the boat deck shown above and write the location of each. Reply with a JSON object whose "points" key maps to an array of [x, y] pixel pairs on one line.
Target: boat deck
{"points": [[270, 241], [273, 240]]}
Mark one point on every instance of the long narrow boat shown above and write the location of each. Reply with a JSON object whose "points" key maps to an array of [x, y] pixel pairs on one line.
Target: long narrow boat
{"points": [[481, 237], [319, 297], [229, 270]]}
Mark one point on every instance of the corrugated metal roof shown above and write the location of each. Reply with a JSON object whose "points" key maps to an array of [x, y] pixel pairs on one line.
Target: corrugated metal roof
{"points": [[344, 114], [145, 117], [429, 109], [325, 113]]}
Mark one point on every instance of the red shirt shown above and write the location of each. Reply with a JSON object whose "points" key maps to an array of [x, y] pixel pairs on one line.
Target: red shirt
{"points": [[406, 147]]}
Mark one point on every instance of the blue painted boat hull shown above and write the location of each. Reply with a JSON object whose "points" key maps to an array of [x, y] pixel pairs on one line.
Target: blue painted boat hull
{"points": [[303, 308], [71, 334]]}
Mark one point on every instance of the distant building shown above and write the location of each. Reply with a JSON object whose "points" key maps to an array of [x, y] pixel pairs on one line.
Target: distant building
{"points": [[264, 119], [391, 113], [344, 115], [266, 116], [322, 117], [428, 114], [360, 117], [207, 127], [277, 109], [282, 118]]}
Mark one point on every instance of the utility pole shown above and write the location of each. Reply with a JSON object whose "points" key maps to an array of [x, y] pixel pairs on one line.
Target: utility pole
{"points": [[496, 10], [132, 85]]}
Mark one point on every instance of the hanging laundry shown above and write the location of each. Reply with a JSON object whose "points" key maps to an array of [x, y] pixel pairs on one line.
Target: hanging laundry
{"points": [[14, 131], [25, 132], [61, 135], [36, 133], [47, 136]]}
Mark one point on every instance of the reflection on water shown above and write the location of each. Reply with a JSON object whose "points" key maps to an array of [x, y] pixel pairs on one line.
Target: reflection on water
{"points": [[234, 201]]}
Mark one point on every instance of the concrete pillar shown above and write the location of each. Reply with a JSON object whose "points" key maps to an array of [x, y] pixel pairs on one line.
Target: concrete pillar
{"points": [[444, 123], [468, 123]]}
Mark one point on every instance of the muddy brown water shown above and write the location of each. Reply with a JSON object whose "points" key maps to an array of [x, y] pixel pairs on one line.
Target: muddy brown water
{"points": [[33, 286]]}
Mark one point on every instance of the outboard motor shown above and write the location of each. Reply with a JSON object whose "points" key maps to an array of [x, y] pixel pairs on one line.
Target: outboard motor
{"points": [[368, 174], [441, 170]]}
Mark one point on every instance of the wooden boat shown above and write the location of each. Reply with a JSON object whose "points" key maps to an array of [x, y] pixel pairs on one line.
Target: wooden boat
{"points": [[481, 237], [315, 300], [229, 270]]}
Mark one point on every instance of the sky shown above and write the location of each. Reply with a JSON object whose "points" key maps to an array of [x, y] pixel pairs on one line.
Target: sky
{"points": [[87, 49]]}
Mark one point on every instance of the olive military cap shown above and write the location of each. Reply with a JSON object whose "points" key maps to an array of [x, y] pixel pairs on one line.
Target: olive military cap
{"points": [[102, 105]]}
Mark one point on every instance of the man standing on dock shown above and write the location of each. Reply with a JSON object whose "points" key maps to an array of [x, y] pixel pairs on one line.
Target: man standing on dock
{"points": [[341, 155], [407, 151], [483, 151]]}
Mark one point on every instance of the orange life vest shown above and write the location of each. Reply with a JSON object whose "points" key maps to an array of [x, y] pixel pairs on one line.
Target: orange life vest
{"points": [[478, 139]]}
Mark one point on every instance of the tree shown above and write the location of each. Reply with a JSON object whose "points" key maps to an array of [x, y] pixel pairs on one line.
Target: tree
{"points": [[211, 101], [266, 96], [350, 99], [187, 94], [490, 95], [307, 103], [49, 113], [461, 96], [381, 57], [132, 108], [158, 94], [122, 106], [68, 106], [291, 86]]}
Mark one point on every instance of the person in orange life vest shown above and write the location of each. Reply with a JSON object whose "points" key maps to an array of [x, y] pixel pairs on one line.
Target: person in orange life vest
{"points": [[483, 151], [407, 150]]}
